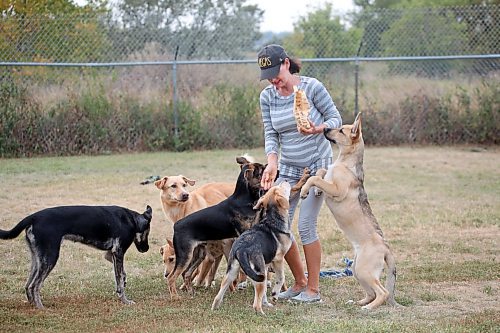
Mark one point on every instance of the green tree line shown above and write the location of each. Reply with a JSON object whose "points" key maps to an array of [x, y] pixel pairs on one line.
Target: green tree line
{"points": [[61, 31]]}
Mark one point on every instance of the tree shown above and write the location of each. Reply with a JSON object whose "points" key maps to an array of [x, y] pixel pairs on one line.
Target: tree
{"points": [[321, 34], [425, 33], [399, 4], [51, 30], [199, 28]]}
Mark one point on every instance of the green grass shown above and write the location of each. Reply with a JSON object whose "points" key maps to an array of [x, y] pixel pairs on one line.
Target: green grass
{"points": [[438, 208]]}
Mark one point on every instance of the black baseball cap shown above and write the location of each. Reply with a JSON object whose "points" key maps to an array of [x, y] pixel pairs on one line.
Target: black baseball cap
{"points": [[269, 60]]}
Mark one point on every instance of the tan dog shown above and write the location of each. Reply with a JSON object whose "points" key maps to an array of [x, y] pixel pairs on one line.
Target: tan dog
{"points": [[205, 275], [348, 202], [178, 202]]}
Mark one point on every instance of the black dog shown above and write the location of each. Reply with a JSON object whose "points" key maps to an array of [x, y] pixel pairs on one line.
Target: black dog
{"points": [[228, 219], [108, 228], [265, 243]]}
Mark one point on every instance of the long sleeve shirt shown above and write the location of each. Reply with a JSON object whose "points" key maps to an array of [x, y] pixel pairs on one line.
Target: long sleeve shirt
{"points": [[295, 150]]}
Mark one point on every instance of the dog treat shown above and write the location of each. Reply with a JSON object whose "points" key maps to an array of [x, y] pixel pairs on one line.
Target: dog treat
{"points": [[301, 108]]}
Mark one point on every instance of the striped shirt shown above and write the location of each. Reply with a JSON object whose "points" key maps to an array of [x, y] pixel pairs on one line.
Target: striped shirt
{"points": [[297, 151]]}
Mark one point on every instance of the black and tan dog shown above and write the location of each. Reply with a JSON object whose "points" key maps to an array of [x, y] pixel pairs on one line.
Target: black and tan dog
{"points": [[227, 219], [264, 244], [348, 202], [108, 228]]}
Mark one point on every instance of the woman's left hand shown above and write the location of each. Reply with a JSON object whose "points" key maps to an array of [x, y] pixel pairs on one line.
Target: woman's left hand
{"points": [[312, 129]]}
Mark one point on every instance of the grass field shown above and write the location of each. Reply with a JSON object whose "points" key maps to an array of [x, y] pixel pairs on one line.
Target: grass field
{"points": [[439, 208]]}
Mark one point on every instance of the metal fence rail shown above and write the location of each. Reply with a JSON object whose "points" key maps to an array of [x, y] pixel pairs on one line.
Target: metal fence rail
{"points": [[60, 71]]}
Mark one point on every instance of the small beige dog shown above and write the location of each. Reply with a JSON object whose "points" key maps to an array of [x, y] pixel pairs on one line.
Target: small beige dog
{"points": [[348, 202], [178, 202]]}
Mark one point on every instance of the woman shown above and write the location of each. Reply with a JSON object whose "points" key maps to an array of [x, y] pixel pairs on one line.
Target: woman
{"points": [[290, 149]]}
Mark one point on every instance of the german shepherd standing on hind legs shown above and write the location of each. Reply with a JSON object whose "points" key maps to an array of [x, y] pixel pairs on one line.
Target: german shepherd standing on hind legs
{"points": [[346, 198]]}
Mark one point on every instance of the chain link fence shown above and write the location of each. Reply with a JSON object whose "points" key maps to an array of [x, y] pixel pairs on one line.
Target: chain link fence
{"points": [[93, 84]]}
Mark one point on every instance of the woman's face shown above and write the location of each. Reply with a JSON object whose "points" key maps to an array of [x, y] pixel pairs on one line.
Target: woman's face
{"points": [[280, 81]]}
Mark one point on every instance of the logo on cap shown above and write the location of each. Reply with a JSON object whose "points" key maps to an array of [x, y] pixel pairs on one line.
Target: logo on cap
{"points": [[264, 62]]}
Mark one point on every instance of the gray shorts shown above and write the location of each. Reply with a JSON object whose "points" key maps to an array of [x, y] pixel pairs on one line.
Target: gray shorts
{"points": [[308, 213]]}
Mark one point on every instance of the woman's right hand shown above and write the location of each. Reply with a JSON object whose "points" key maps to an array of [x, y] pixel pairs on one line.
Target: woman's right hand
{"points": [[270, 172], [268, 176]]}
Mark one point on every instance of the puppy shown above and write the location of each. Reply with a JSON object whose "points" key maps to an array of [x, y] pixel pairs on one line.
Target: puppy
{"points": [[225, 220], [108, 228], [205, 274], [178, 202], [347, 200], [265, 243]]}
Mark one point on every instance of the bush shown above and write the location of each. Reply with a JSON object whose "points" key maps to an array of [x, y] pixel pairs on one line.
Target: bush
{"points": [[225, 116]]}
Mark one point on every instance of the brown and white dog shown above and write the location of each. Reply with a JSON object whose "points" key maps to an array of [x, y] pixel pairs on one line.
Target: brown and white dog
{"points": [[347, 200], [177, 202]]}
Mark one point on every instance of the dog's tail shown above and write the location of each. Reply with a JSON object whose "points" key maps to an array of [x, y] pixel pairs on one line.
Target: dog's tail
{"points": [[253, 266], [14, 232], [390, 282]]}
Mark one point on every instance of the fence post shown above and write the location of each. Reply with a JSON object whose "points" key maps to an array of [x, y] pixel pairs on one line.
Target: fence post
{"points": [[174, 106], [356, 80]]}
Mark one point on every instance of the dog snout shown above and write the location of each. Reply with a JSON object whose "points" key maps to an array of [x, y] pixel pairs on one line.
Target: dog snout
{"points": [[185, 196], [143, 248]]}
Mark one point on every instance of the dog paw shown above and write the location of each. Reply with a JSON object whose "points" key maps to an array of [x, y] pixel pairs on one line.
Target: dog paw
{"points": [[242, 285], [321, 173], [127, 301], [306, 174], [304, 193], [317, 192], [267, 304], [216, 304], [259, 311]]}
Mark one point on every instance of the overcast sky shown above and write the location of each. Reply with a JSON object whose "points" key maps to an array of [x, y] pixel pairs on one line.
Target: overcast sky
{"points": [[279, 15]]}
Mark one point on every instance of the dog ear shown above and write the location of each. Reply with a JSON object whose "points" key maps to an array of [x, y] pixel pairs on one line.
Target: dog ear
{"points": [[161, 250], [282, 202], [148, 214], [242, 160], [356, 127], [189, 181], [248, 173], [142, 220], [160, 183], [169, 242], [259, 203]]}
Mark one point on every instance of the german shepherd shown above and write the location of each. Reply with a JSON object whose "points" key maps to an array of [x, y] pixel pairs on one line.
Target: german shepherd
{"points": [[265, 243], [347, 200], [108, 228], [227, 219]]}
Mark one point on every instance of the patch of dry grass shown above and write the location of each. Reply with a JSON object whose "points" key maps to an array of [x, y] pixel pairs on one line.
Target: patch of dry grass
{"points": [[438, 208]]}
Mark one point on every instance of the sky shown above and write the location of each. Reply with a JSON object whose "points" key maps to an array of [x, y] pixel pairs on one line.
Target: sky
{"points": [[279, 15]]}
